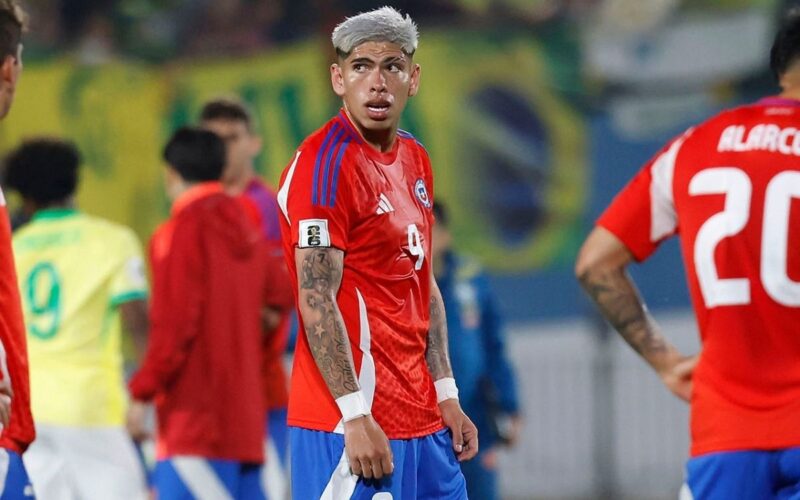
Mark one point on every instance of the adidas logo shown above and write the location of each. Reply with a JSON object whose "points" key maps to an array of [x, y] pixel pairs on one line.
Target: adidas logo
{"points": [[384, 206]]}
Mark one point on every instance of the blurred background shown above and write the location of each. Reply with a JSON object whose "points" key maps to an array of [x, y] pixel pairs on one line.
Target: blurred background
{"points": [[534, 112]]}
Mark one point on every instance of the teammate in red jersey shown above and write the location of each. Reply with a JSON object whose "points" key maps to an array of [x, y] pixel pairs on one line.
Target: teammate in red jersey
{"points": [[232, 121], [730, 188], [15, 408], [202, 363], [372, 394]]}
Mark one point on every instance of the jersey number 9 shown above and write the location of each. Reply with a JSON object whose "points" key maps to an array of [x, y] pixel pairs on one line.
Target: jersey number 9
{"points": [[43, 300]]}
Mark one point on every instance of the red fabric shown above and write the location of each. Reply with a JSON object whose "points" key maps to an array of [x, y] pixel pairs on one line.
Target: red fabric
{"points": [[202, 363], [20, 432], [339, 180], [747, 383]]}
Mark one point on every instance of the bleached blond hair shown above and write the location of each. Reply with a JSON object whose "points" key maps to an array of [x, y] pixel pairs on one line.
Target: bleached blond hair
{"points": [[380, 25]]}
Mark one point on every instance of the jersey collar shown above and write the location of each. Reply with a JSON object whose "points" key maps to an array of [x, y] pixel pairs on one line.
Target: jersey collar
{"points": [[386, 158], [53, 213], [779, 101], [194, 193]]}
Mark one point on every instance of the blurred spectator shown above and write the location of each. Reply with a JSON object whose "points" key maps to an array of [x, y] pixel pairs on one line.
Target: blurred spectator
{"points": [[487, 385]]}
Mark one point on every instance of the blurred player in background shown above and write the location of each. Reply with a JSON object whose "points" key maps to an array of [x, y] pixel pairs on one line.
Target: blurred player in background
{"points": [[730, 188], [15, 410], [233, 122], [202, 366], [78, 276], [487, 386], [373, 408]]}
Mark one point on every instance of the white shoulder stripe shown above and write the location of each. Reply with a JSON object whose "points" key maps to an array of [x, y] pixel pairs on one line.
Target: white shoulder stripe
{"points": [[662, 202], [283, 192]]}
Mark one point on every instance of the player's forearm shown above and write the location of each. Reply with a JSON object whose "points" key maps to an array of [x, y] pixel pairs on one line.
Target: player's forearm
{"points": [[619, 302], [319, 276], [436, 353]]}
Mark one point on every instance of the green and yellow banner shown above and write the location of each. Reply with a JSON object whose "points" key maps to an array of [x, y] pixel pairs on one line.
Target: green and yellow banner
{"points": [[508, 150]]}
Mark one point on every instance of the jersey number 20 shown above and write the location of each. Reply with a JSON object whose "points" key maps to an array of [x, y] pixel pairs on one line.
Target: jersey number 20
{"points": [[737, 188]]}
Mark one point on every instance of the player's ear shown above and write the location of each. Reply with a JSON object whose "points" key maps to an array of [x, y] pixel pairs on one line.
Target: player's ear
{"points": [[8, 71], [255, 144], [413, 87], [337, 79]]}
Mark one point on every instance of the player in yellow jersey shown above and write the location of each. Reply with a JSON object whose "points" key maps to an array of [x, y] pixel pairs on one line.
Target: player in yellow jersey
{"points": [[81, 278]]}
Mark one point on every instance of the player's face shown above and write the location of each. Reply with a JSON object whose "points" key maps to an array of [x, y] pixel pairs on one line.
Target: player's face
{"points": [[375, 82], [9, 74], [242, 147]]}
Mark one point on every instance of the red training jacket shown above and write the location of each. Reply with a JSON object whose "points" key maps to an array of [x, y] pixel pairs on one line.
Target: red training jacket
{"points": [[202, 366]]}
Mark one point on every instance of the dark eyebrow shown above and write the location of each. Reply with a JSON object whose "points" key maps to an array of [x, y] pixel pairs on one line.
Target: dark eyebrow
{"points": [[362, 60]]}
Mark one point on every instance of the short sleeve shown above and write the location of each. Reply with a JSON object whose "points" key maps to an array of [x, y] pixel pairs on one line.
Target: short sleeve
{"points": [[643, 214], [129, 281], [316, 199]]}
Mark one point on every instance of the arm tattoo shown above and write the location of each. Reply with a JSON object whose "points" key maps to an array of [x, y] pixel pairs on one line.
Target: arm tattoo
{"points": [[619, 302], [436, 352], [320, 274]]}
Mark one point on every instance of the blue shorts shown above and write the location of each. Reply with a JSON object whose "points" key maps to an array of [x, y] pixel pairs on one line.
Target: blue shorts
{"points": [[190, 478], [744, 474], [424, 468], [13, 477]]}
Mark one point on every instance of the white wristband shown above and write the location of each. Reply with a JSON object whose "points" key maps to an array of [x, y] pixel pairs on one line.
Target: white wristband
{"points": [[446, 389], [352, 406]]}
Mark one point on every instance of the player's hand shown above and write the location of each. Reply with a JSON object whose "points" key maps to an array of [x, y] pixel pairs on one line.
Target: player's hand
{"points": [[678, 376], [136, 422], [514, 430], [464, 432], [6, 393], [367, 448], [271, 318]]}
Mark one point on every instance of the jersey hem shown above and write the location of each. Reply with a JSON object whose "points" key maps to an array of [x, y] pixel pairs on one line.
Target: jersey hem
{"points": [[408, 434], [740, 445]]}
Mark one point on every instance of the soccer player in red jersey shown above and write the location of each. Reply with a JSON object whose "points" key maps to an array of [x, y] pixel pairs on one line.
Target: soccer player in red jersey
{"points": [[730, 189], [202, 365], [15, 406], [373, 407], [233, 122]]}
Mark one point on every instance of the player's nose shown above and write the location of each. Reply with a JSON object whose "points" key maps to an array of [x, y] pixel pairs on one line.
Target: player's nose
{"points": [[377, 81]]}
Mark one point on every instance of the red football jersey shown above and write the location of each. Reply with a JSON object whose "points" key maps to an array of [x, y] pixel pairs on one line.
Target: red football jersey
{"points": [[376, 207], [731, 189], [13, 346]]}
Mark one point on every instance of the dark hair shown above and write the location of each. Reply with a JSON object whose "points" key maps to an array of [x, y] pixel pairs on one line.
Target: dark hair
{"points": [[225, 108], [196, 154], [440, 212], [786, 47], [44, 170], [12, 23]]}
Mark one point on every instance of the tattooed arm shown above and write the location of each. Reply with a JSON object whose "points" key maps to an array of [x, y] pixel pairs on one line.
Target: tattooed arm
{"points": [[601, 269], [464, 432], [319, 275], [436, 353]]}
